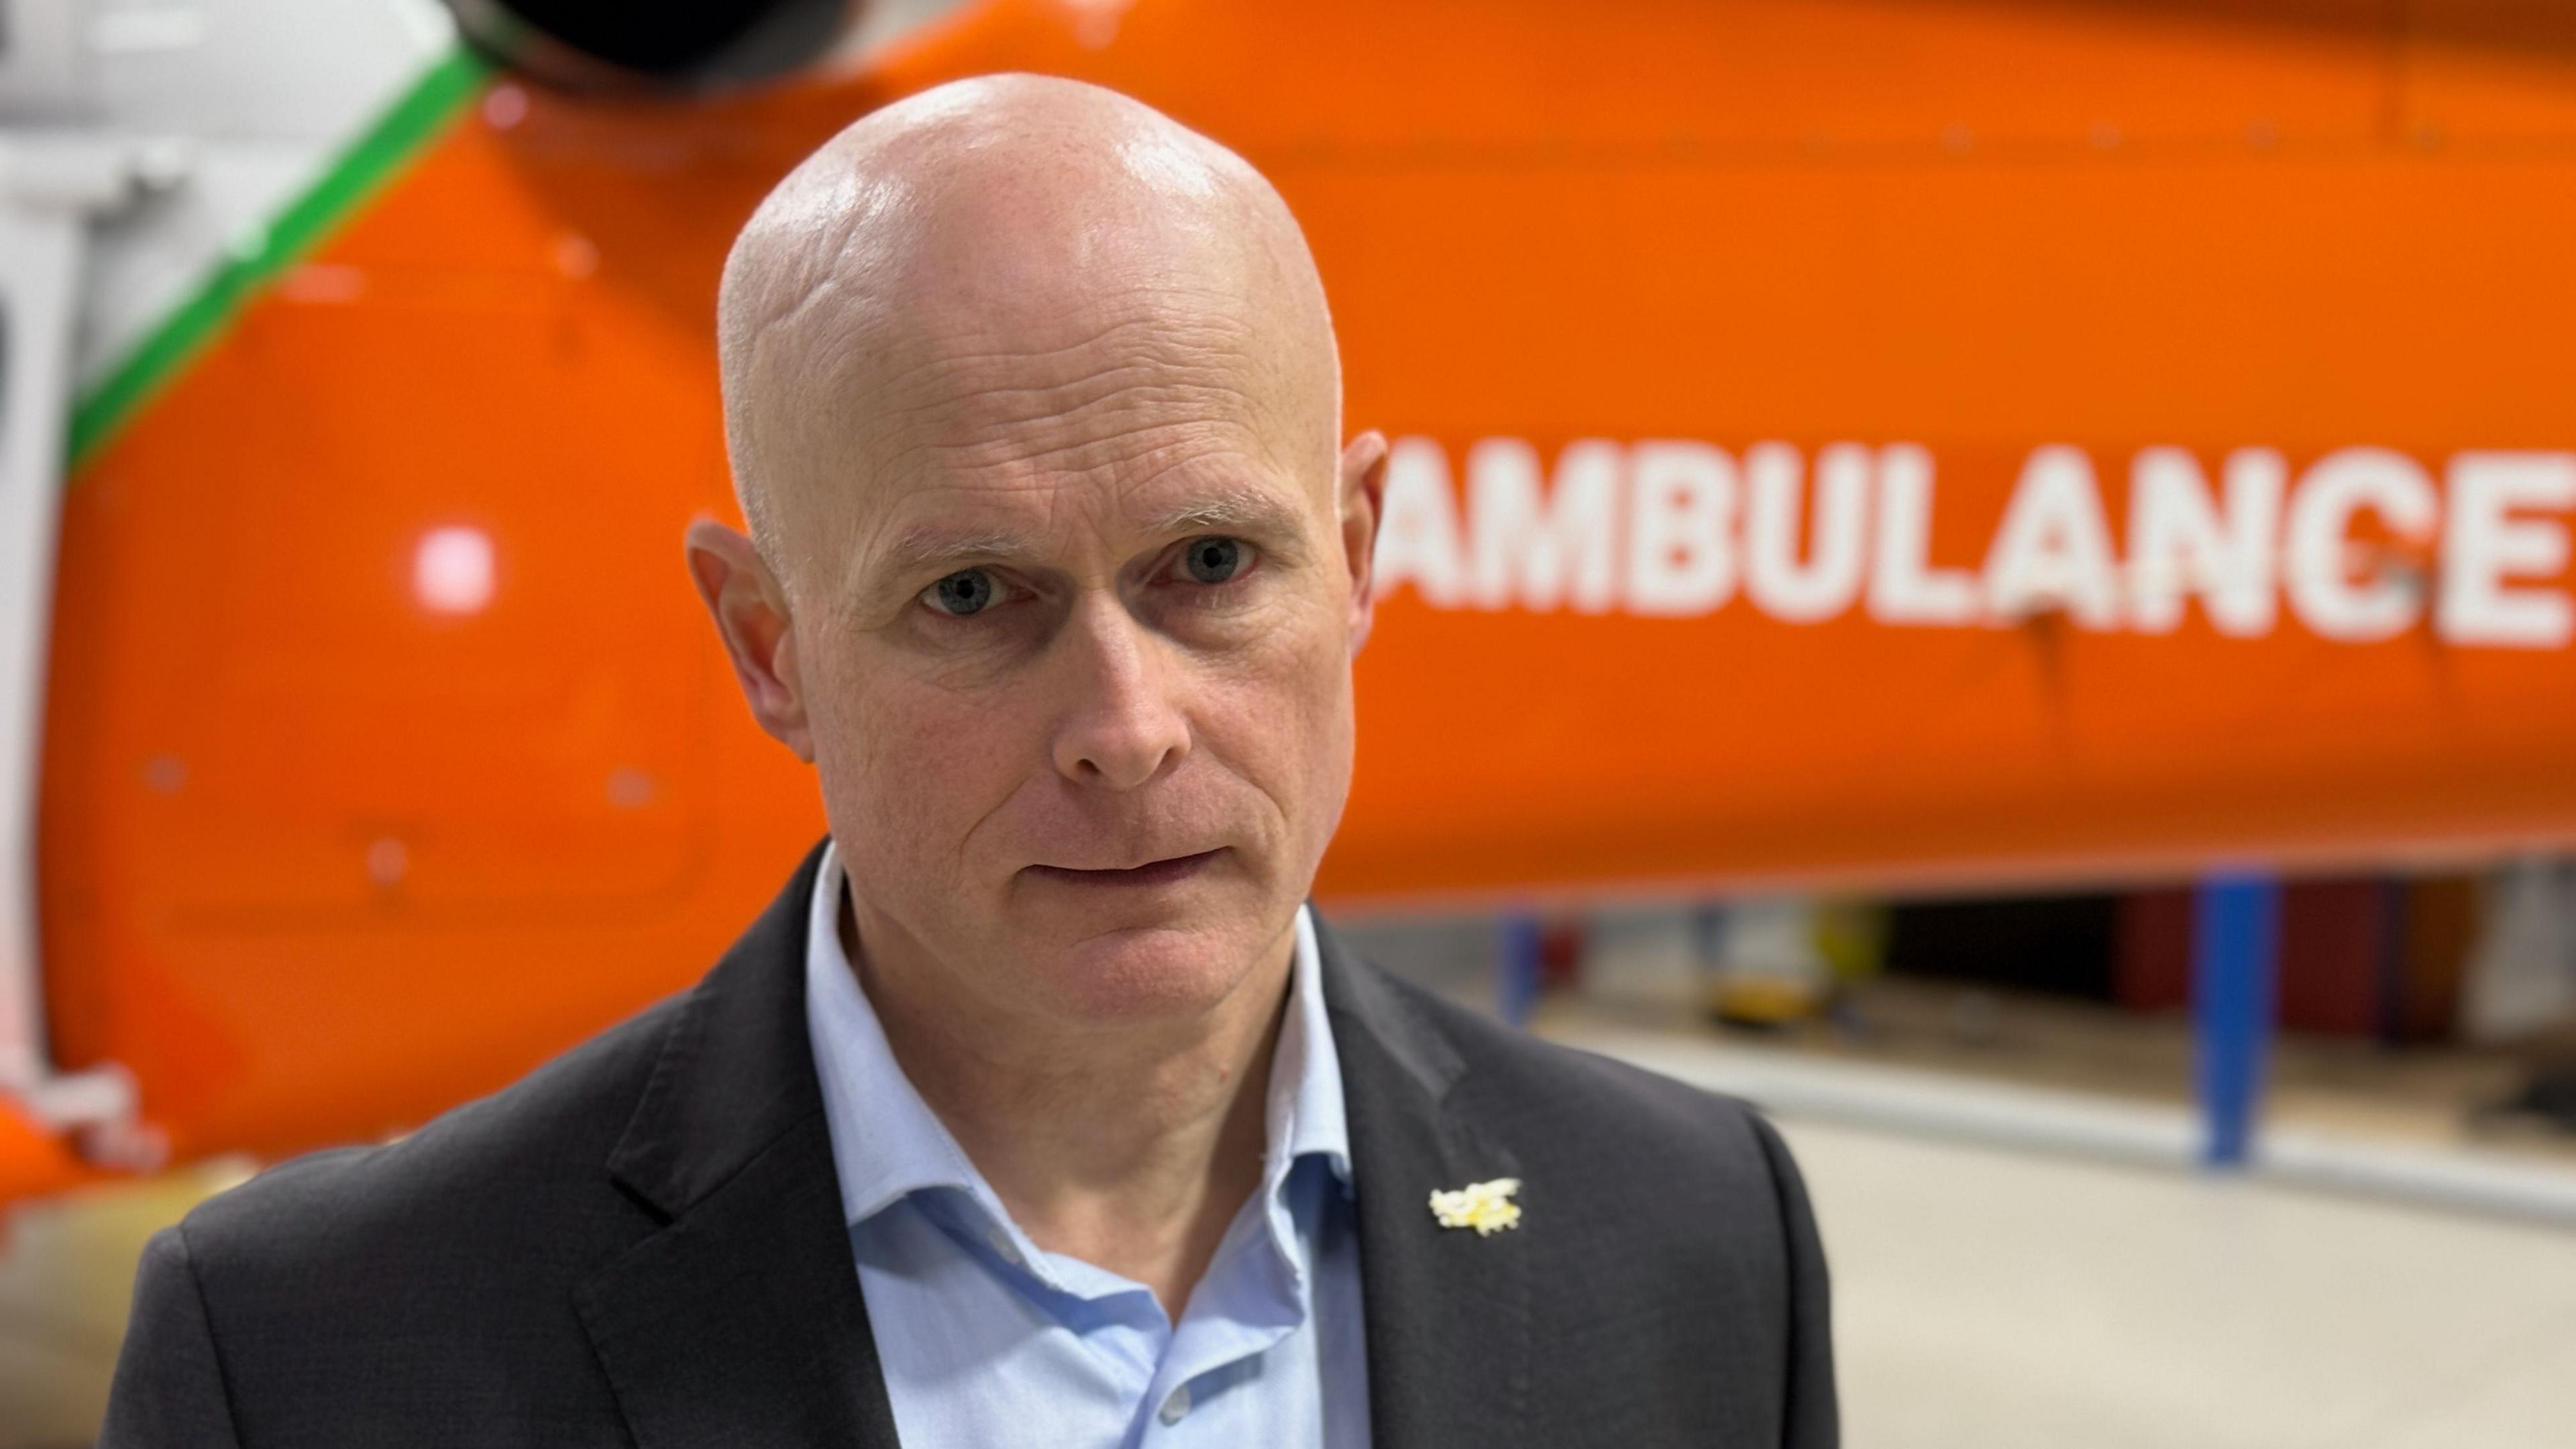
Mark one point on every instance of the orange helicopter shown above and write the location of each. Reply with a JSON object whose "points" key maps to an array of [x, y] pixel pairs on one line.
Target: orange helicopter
{"points": [[1858, 441]]}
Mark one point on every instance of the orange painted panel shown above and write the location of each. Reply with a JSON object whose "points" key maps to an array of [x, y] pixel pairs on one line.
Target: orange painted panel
{"points": [[2487, 71], [388, 754]]}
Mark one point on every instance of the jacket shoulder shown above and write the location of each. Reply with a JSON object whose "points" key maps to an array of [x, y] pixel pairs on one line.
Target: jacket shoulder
{"points": [[329, 1299], [481, 1189], [1534, 1083]]}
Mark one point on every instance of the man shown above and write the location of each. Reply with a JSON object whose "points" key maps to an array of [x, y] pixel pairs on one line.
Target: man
{"points": [[1037, 1110]]}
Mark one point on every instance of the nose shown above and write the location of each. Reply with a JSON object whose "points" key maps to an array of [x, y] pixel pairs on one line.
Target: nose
{"points": [[1122, 727]]}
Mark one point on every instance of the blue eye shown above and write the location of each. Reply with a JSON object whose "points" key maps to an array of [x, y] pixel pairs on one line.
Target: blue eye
{"points": [[964, 592], [1214, 560]]}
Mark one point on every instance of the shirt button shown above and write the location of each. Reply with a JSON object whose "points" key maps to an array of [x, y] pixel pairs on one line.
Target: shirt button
{"points": [[1177, 1405], [1001, 1242]]}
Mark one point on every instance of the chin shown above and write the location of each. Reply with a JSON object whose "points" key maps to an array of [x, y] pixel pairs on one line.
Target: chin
{"points": [[1149, 972]]}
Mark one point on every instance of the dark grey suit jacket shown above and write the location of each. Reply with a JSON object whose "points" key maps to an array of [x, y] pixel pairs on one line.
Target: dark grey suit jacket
{"points": [[641, 1243]]}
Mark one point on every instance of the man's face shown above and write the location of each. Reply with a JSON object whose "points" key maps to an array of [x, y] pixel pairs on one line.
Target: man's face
{"points": [[1074, 632]]}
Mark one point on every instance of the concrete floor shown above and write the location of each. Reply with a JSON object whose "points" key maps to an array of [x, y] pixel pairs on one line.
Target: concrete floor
{"points": [[1984, 1300]]}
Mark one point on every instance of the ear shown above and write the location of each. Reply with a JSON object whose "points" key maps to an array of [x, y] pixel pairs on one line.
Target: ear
{"points": [[1362, 494], [751, 615]]}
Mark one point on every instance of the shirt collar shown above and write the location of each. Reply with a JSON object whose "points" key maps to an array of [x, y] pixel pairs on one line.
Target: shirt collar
{"points": [[887, 1143], [1306, 1072]]}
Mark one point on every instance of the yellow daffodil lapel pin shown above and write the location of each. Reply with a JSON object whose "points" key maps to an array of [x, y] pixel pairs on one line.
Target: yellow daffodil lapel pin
{"points": [[1485, 1206]]}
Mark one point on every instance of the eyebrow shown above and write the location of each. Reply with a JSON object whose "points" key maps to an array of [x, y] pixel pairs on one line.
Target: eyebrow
{"points": [[934, 547], [927, 546], [1242, 510]]}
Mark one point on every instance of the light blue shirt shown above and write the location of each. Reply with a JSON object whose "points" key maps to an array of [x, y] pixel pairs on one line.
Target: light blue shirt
{"points": [[988, 1340]]}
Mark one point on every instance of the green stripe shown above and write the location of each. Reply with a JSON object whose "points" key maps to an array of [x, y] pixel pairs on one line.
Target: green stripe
{"points": [[394, 139]]}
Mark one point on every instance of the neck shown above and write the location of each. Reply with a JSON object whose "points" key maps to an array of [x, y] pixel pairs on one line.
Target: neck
{"points": [[1128, 1147]]}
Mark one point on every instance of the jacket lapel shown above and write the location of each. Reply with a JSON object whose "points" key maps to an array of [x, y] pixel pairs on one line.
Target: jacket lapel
{"points": [[740, 1322], [1448, 1310]]}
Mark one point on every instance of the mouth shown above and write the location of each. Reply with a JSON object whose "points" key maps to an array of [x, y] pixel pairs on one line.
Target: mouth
{"points": [[1151, 873]]}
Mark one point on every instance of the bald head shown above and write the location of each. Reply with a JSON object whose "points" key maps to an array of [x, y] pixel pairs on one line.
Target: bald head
{"points": [[1059, 564], [966, 272]]}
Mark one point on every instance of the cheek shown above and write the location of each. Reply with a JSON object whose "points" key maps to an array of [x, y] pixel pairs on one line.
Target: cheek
{"points": [[900, 759], [1280, 714]]}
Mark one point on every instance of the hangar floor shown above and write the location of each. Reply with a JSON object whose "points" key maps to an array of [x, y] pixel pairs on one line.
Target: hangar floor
{"points": [[1988, 1300], [1985, 1299]]}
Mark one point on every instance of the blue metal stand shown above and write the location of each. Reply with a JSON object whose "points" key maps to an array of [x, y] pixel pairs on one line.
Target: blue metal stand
{"points": [[2236, 949], [1516, 967]]}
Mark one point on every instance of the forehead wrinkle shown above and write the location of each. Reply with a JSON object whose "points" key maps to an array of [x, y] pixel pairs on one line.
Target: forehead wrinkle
{"points": [[843, 216], [1109, 469], [1111, 416], [1134, 415], [1119, 423], [987, 395], [986, 360], [991, 408]]}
